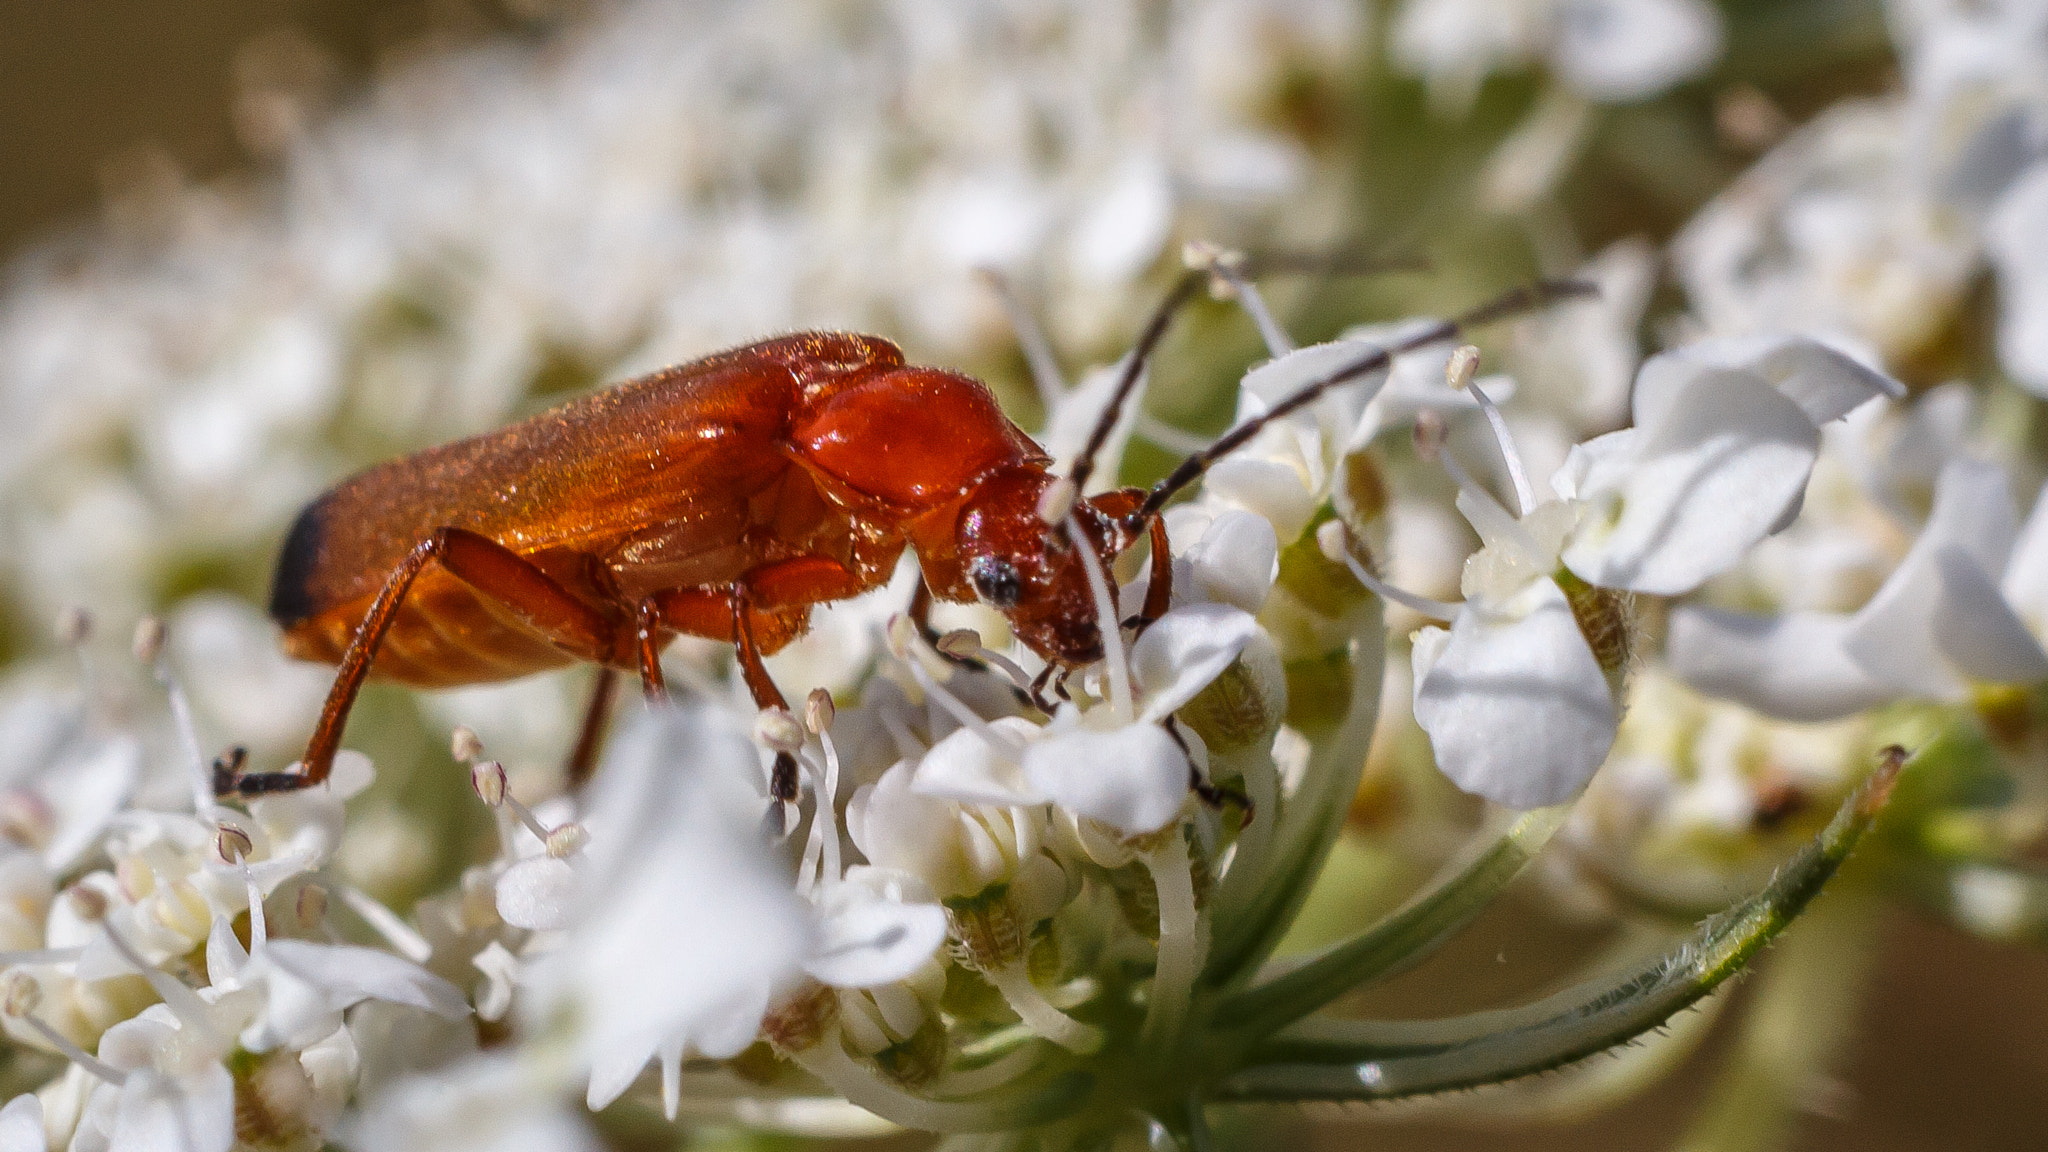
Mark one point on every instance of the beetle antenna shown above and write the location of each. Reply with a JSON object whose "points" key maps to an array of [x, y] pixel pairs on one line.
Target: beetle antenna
{"points": [[1134, 367], [1242, 270], [1518, 300]]}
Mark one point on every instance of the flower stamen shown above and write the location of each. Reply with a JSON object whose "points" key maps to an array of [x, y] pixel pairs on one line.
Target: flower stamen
{"points": [[1460, 373]]}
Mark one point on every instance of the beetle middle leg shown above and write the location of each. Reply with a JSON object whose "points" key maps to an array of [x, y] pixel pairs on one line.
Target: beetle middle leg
{"points": [[590, 735], [732, 612], [487, 567]]}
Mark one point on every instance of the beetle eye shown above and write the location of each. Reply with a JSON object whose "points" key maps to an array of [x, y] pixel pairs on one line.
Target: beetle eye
{"points": [[995, 581]]}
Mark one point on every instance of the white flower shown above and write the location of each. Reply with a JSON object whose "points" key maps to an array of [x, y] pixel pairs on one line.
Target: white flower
{"points": [[1726, 434], [305, 986], [1127, 773], [21, 1125], [682, 934], [490, 1103], [1519, 697], [2016, 238], [1517, 706], [1963, 607], [1609, 50], [1831, 233]]}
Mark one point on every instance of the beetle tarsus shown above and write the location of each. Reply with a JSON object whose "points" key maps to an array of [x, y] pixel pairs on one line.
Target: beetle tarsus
{"points": [[227, 770], [782, 781]]}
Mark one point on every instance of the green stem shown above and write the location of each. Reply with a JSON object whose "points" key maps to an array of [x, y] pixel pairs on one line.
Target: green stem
{"points": [[1363, 1060], [1793, 1028], [1252, 911], [1401, 939]]}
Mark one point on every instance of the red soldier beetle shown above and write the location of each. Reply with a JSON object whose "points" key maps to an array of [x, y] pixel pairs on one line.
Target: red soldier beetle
{"points": [[723, 498]]}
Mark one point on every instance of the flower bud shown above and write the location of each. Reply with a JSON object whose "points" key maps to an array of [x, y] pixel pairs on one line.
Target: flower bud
{"points": [[819, 711], [778, 731], [567, 840], [488, 778], [148, 644], [1604, 619], [465, 745]]}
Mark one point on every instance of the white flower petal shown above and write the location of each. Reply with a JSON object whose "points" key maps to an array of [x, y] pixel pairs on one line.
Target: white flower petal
{"points": [[964, 767], [1234, 561], [1824, 381], [347, 974], [867, 940], [1274, 490], [1183, 651], [538, 892], [1134, 778], [683, 930], [195, 1113], [92, 789], [1793, 667], [21, 1125], [1621, 50], [2016, 239], [1894, 635], [1517, 709], [1977, 630], [1715, 475], [2025, 582]]}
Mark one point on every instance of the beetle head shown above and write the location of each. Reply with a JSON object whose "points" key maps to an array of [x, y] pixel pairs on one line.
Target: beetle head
{"points": [[1013, 561]]}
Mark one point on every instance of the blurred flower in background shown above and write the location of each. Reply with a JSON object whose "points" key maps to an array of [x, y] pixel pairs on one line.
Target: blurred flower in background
{"points": [[1668, 594]]}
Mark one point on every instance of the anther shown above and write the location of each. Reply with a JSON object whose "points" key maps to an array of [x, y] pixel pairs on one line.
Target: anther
{"points": [[310, 909], [962, 643], [777, 730], [26, 818], [232, 844], [1463, 367], [73, 626], [488, 778], [566, 841], [24, 994], [1430, 434], [819, 711], [20, 996], [1333, 541], [89, 903], [465, 745], [1057, 500], [148, 644]]}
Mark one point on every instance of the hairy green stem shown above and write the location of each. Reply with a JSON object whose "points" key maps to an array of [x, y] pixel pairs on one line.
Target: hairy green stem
{"points": [[1403, 938], [1362, 1060]]}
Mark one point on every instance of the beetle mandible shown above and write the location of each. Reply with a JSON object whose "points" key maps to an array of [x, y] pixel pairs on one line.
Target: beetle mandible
{"points": [[723, 498]]}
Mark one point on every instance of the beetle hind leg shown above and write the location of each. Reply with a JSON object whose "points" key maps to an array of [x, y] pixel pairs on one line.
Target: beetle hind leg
{"points": [[483, 564]]}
